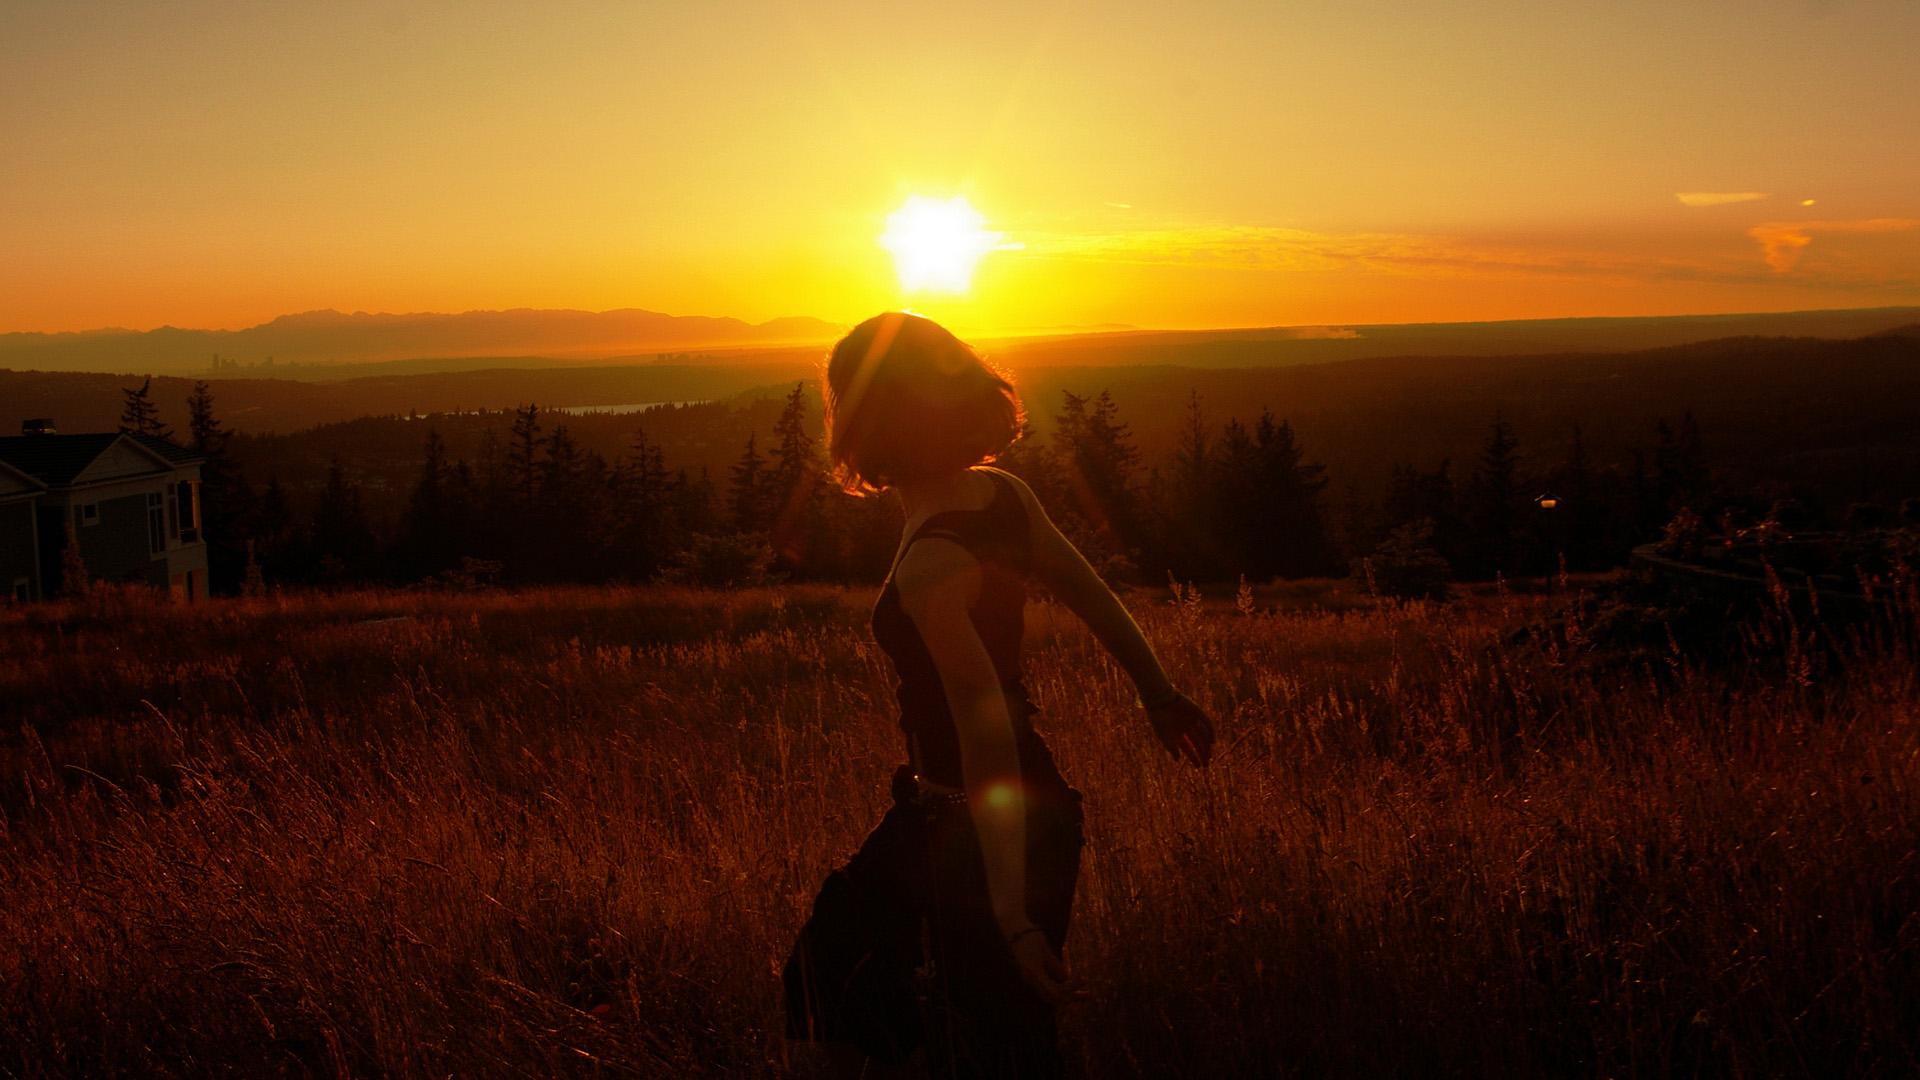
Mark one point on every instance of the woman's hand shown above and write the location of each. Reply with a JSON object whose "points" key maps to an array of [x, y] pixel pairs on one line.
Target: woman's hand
{"points": [[1042, 969], [1183, 728]]}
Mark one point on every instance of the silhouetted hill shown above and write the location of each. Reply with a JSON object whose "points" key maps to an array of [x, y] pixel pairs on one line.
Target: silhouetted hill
{"points": [[1832, 420], [322, 345], [86, 401], [1829, 421], [327, 337], [1288, 345]]}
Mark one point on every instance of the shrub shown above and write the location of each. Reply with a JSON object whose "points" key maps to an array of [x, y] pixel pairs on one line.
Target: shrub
{"points": [[1406, 565]]}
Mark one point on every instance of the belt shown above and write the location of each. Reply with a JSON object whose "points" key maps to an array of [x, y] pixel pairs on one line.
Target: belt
{"points": [[912, 789], [931, 793]]}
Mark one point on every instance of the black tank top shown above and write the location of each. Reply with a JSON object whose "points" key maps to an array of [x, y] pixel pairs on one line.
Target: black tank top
{"points": [[997, 535]]}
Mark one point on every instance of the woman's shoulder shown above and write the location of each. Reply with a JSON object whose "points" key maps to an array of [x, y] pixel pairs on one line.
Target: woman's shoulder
{"points": [[1028, 502], [1010, 480]]}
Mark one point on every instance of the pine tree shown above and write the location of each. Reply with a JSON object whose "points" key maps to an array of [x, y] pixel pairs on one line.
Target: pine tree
{"points": [[561, 474], [140, 415], [644, 525], [1098, 458], [1193, 456], [1414, 496], [1035, 462], [1189, 502], [226, 500], [523, 456], [1495, 497], [1286, 513], [1578, 523], [794, 482], [283, 555], [207, 437], [748, 491], [343, 540], [426, 544]]}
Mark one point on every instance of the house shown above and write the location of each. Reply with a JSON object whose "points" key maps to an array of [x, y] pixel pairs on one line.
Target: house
{"points": [[130, 502]]}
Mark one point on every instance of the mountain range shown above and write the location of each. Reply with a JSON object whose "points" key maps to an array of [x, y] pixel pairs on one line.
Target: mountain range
{"points": [[332, 337], [330, 345]]}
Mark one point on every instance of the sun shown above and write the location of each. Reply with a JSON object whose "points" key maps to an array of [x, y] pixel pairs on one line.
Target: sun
{"points": [[937, 243]]}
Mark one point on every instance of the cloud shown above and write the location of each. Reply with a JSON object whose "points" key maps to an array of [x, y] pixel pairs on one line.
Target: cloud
{"points": [[1718, 198], [1300, 250], [1781, 242]]}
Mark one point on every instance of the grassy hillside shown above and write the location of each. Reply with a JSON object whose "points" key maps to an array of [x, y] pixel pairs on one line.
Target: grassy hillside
{"points": [[574, 831]]}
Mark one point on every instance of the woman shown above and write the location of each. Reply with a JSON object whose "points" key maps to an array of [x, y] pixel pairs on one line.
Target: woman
{"points": [[944, 932]]}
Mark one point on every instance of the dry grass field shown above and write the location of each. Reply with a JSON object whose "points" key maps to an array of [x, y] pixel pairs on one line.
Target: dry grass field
{"points": [[573, 831]]}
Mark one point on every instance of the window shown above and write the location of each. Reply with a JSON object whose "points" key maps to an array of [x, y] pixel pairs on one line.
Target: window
{"points": [[87, 513], [186, 499], [22, 590], [156, 523]]}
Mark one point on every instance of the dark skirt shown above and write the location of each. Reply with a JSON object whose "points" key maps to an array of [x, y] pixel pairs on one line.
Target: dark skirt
{"points": [[902, 950]]}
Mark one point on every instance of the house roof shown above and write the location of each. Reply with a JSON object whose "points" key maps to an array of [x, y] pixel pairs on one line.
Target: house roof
{"points": [[167, 448], [55, 460], [33, 484]]}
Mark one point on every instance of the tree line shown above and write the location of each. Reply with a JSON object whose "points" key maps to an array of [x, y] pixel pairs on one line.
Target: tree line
{"points": [[1239, 497]]}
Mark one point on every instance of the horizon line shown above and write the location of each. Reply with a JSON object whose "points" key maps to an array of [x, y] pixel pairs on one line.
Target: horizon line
{"points": [[1069, 330]]}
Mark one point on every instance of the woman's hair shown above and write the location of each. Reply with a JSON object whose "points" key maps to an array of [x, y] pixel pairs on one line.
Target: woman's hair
{"points": [[905, 398]]}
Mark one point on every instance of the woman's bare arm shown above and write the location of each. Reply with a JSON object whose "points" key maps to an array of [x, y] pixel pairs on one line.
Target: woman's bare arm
{"points": [[1181, 726], [1067, 574]]}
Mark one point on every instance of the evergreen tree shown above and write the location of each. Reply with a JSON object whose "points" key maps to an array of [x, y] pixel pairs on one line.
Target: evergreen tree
{"points": [[1098, 460], [1035, 462], [492, 516], [279, 546], [343, 541], [226, 501], [1268, 519], [523, 457], [140, 415], [1290, 514], [1414, 496], [748, 498], [794, 481], [562, 475], [694, 502], [1578, 525], [428, 537], [645, 526], [1235, 488], [1679, 466], [1494, 508], [1190, 545], [207, 437]]}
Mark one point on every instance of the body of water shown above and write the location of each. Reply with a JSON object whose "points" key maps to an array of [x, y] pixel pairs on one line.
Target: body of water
{"points": [[633, 407]]}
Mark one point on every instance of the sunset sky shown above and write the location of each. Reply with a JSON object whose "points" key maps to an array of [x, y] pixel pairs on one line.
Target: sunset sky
{"points": [[1145, 163]]}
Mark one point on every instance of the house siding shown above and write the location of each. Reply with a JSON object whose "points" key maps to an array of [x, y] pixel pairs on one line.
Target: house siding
{"points": [[117, 548], [17, 548], [114, 476]]}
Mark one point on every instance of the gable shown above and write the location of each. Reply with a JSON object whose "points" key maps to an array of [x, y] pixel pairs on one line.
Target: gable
{"points": [[14, 483], [123, 458]]}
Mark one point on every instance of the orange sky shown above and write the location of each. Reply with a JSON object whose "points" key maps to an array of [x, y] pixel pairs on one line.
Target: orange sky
{"points": [[1226, 164]]}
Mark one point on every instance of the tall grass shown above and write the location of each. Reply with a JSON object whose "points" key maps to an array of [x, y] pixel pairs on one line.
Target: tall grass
{"points": [[574, 831]]}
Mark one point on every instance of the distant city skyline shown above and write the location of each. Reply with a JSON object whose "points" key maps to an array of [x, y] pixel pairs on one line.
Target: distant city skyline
{"points": [[215, 166]]}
